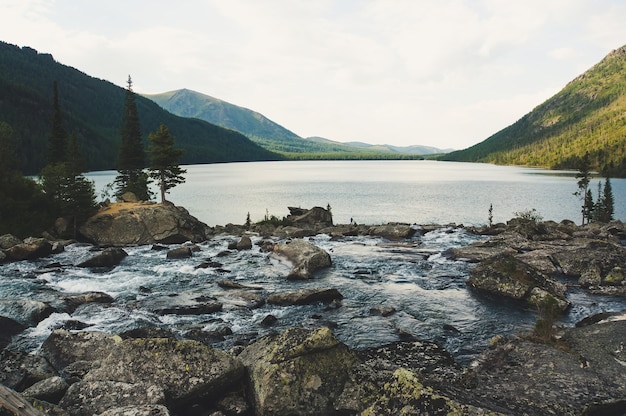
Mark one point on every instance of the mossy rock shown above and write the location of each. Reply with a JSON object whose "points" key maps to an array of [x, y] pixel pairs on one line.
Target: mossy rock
{"points": [[297, 372], [615, 276]]}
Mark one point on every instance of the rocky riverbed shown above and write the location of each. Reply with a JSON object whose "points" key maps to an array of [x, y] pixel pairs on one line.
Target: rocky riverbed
{"points": [[307, 317]]}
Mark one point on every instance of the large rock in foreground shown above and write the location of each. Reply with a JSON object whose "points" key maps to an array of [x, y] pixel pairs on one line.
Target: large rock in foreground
{"points": [[305, 257], [298, 372], [115, 372], [125, 224], [185, 370], [585, 374]]}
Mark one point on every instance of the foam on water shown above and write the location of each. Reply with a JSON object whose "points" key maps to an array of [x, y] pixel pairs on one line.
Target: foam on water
{"points": [[426, 289]]}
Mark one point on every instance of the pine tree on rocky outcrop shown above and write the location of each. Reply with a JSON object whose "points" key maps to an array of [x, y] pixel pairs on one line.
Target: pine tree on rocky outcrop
{"points": [[164, 167], [584, 176], [131, 162], [604, 207]]}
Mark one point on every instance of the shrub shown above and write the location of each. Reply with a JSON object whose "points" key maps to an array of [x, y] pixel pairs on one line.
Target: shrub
{"points": [[548, 311]]}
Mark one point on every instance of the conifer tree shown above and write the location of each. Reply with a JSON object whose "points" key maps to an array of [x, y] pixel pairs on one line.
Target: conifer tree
{"points": [[131, 161], [584, 176], [609, 202], [24, 207], [164, 167], [7, 151], [588, 207], [75, 160], [605, 208], [58, 136], [52, 175], [69, 193]]}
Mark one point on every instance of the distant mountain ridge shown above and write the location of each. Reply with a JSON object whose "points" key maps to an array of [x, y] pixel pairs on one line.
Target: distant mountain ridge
{"points": [[267, 133], [587, 115], [187, 103], [92, 108]]}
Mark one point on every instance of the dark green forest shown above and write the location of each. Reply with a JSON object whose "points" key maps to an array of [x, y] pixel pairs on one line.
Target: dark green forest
{"points": [[587, 116], [93, 111]]}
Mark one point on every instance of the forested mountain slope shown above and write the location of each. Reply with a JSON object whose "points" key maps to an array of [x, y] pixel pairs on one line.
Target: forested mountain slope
{"points": [[188, 103], [588, 115], [271, 135], [92, 108]]}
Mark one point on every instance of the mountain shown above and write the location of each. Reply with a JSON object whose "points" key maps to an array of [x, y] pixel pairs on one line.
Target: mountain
{"points": [[92, 108], [187, 103], [588, 115], [409, 150], [271, 135]]}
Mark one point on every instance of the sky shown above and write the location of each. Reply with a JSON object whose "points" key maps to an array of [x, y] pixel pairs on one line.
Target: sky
{"points": [[441, 73]]}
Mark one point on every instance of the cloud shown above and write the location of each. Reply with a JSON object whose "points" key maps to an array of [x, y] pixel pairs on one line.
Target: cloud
{"points": [[447, 73]]}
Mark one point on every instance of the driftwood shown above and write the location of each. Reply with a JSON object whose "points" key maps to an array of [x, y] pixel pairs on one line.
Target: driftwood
{"points": [[13, 404]]}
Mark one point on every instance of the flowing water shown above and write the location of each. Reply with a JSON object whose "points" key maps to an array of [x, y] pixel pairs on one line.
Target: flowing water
{"points": [[426, 289]]}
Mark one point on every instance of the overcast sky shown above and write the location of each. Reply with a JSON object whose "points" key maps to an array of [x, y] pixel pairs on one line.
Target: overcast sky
{"points": [[442, 73]]}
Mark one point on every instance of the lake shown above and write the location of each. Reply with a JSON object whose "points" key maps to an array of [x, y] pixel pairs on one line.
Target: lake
{"points": [[374, 192]]}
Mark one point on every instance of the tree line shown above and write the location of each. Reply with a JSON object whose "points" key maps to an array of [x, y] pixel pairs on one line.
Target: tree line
{"points": [[28, 206], [603, 208]]}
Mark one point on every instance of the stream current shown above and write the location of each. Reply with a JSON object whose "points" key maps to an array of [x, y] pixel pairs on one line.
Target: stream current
{"points": [[427, 291]]}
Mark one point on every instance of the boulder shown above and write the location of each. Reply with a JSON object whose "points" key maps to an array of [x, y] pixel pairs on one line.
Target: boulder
{"points": [[49, 390], [245, 243], [297, 372], [185, 370], [8, 240], [88, 398], [393, 231], [30, 249], [243, 298], [148, 332], [144, 224], [401, 391], [110, 257], [231, 284], [305, 257], [26, 312], [8, 328], [315, 217], [506, 276], [143, 410], [183, 252], [294, 232], [305, 297], [129, 197], [21, 370], [593, 262], [63, 347], [406, 378], [184, 303], [73, 301], [584, 374]]}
